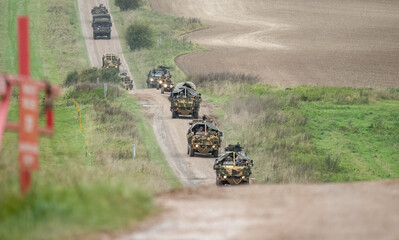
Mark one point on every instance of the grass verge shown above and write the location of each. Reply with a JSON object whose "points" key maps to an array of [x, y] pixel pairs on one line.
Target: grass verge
{"points": [[74, 193], [308, 134]]}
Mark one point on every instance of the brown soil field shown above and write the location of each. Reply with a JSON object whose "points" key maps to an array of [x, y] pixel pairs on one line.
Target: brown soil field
{"points": [[288, 43]]}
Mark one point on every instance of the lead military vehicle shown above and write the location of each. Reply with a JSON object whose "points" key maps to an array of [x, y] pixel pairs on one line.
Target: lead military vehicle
{"points": [[101, 25], [203, 137], [184, 100], [111, 60], [232, 166]]}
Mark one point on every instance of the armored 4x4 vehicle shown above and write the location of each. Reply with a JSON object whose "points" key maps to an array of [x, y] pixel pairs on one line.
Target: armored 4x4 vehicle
{"points": [[232, 166], [99, 10], [184, 100], [111, 60], [101, 25], [126, 82], [154, 76], [203, 137], [167, 85]]}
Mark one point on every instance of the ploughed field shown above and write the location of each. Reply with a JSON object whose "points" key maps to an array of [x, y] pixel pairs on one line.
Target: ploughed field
{"points": [[288, 43]]}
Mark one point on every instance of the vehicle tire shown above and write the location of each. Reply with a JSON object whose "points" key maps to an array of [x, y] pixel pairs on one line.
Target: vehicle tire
{"points": [[157, 87], [148, 85], [188, 150], [174, 114], [94, 36], [218, 182], [162, 90], [109, 36], [195, 115], [215, 153], [191, 151]]}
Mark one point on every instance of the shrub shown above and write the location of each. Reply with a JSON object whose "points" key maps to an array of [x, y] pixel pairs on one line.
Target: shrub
{"points": [[72, 78], [139, 36], [125, 5], [90, 75]]}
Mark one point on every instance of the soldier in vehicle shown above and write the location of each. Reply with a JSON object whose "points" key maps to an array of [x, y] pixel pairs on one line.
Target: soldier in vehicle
{"points": [[200, 131]]}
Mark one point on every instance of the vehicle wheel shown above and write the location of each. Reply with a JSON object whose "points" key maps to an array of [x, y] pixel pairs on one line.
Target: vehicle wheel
{"points": [[174, 114], [188, 149], [215, 153], [148, 85], [109, 36], [157, 87], [94, 36], [195, 115], [191, 152], [162, 90], [218, 182]]}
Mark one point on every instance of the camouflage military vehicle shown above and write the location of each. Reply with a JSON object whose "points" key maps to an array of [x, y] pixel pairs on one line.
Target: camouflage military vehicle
{"points": [[101, 25], [126, 82], [184, 100], [111, 60], [167, 85], [232, 166], [203, 137], [101, 9], [153, 78]]}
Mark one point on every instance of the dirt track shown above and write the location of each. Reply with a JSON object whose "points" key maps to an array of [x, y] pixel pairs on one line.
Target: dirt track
{"points": [[332, 211], [287, 43], [171, 135]]}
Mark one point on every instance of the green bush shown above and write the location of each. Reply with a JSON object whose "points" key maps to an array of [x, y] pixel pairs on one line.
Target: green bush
{"points": [[72, 78], [125, 5], [108, 75], [139, 36]]}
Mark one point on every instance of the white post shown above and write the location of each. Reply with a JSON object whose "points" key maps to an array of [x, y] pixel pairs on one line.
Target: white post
{"points": [[105, 89], [134, 151]]}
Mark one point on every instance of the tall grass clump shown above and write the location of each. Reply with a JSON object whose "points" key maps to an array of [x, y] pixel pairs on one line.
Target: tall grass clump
{"points": [[125, 5]]}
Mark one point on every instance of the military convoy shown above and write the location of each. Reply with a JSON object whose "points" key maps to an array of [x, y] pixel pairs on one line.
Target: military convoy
{"points": [[203, 137], [184, 100], [101, 22], [126, 82], [232, 166], [111, 60]]}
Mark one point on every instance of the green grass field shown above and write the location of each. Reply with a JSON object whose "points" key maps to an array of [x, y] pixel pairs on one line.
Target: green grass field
{"points": [[308, 134]]}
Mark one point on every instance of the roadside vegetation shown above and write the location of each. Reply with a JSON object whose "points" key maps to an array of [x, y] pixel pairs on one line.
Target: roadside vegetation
{"points": [[166, 39], [88, 181], [308, 134]]}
